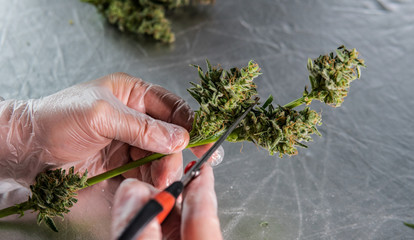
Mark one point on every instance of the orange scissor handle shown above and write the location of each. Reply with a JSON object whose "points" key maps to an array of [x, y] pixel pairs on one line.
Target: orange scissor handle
{"points": [[160, 206]]}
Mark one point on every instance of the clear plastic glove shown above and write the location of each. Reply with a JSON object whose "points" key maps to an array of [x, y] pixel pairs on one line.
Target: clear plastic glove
{"points": [[96, 125], [196, 219]]}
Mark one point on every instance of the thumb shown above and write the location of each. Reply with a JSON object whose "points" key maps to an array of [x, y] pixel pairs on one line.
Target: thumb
{"points": [[140, 130], [129, 198], [199, 212]]}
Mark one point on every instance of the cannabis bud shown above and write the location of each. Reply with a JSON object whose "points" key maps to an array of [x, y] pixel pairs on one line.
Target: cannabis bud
{"points": [[277, 129], [142, 17], [222, 95], [53, 193], [331, 76]]}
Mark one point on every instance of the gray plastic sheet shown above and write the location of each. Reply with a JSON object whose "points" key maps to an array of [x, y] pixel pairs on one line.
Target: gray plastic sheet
{"points": [[355, 182]]}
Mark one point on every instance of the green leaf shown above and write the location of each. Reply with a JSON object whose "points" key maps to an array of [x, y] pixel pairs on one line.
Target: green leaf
{"points": [[51, 224], [409, 225], [268, 102], [39, 218], [310, 64], [209, 68], [358, 71], [340, 54]]}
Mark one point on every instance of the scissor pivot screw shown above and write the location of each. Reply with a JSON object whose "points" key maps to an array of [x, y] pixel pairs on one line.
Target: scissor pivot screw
{"points": [[195, 173]]}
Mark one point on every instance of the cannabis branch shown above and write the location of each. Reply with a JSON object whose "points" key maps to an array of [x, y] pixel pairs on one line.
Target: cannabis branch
{"points": [[222, 95]]}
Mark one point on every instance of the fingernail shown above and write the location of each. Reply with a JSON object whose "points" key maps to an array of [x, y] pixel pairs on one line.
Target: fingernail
{"points": [[217, 157], [127, 181]]}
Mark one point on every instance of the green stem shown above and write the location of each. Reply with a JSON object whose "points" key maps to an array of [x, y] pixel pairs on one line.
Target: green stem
{"points": [[106, 175], [131, 165], [295, 103], [15, 209], [124, 168], [8, 211]]}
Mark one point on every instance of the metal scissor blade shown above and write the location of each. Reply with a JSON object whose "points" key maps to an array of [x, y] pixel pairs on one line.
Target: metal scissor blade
{"points": [[193, 171]]}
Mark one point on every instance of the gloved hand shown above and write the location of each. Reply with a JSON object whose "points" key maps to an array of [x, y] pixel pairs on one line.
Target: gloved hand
{"points": [[93, 126], [196, 219]]}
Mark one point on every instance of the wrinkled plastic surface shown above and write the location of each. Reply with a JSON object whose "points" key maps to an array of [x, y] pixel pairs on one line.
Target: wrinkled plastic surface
{"points": [[355, 182]]}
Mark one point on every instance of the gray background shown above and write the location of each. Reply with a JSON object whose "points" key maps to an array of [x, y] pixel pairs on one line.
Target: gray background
{"points": [[355, 182]]}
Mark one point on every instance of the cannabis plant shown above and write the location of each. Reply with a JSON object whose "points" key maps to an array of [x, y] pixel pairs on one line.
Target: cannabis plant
{"points": [[223, 96], [142, 17]]}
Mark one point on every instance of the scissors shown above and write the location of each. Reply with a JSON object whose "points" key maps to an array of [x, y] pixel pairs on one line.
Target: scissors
{"points": [[162, 204]]}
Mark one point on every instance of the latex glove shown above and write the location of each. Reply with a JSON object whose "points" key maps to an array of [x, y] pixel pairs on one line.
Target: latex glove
{"points": [[93, 126], [197, 219]]}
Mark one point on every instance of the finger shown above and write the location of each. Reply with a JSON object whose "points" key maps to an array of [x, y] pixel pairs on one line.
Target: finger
{"points": [[138, 129], [151, 99], [199, 212], [215, 159], [159, 173], [200, 150], [167, 170], [112, 157], [129, 199], [136, 154], [167, 106]]}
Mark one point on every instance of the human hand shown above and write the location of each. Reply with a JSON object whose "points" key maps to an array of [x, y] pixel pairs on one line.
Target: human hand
{"points": [[196, 218], [96, 125]]}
